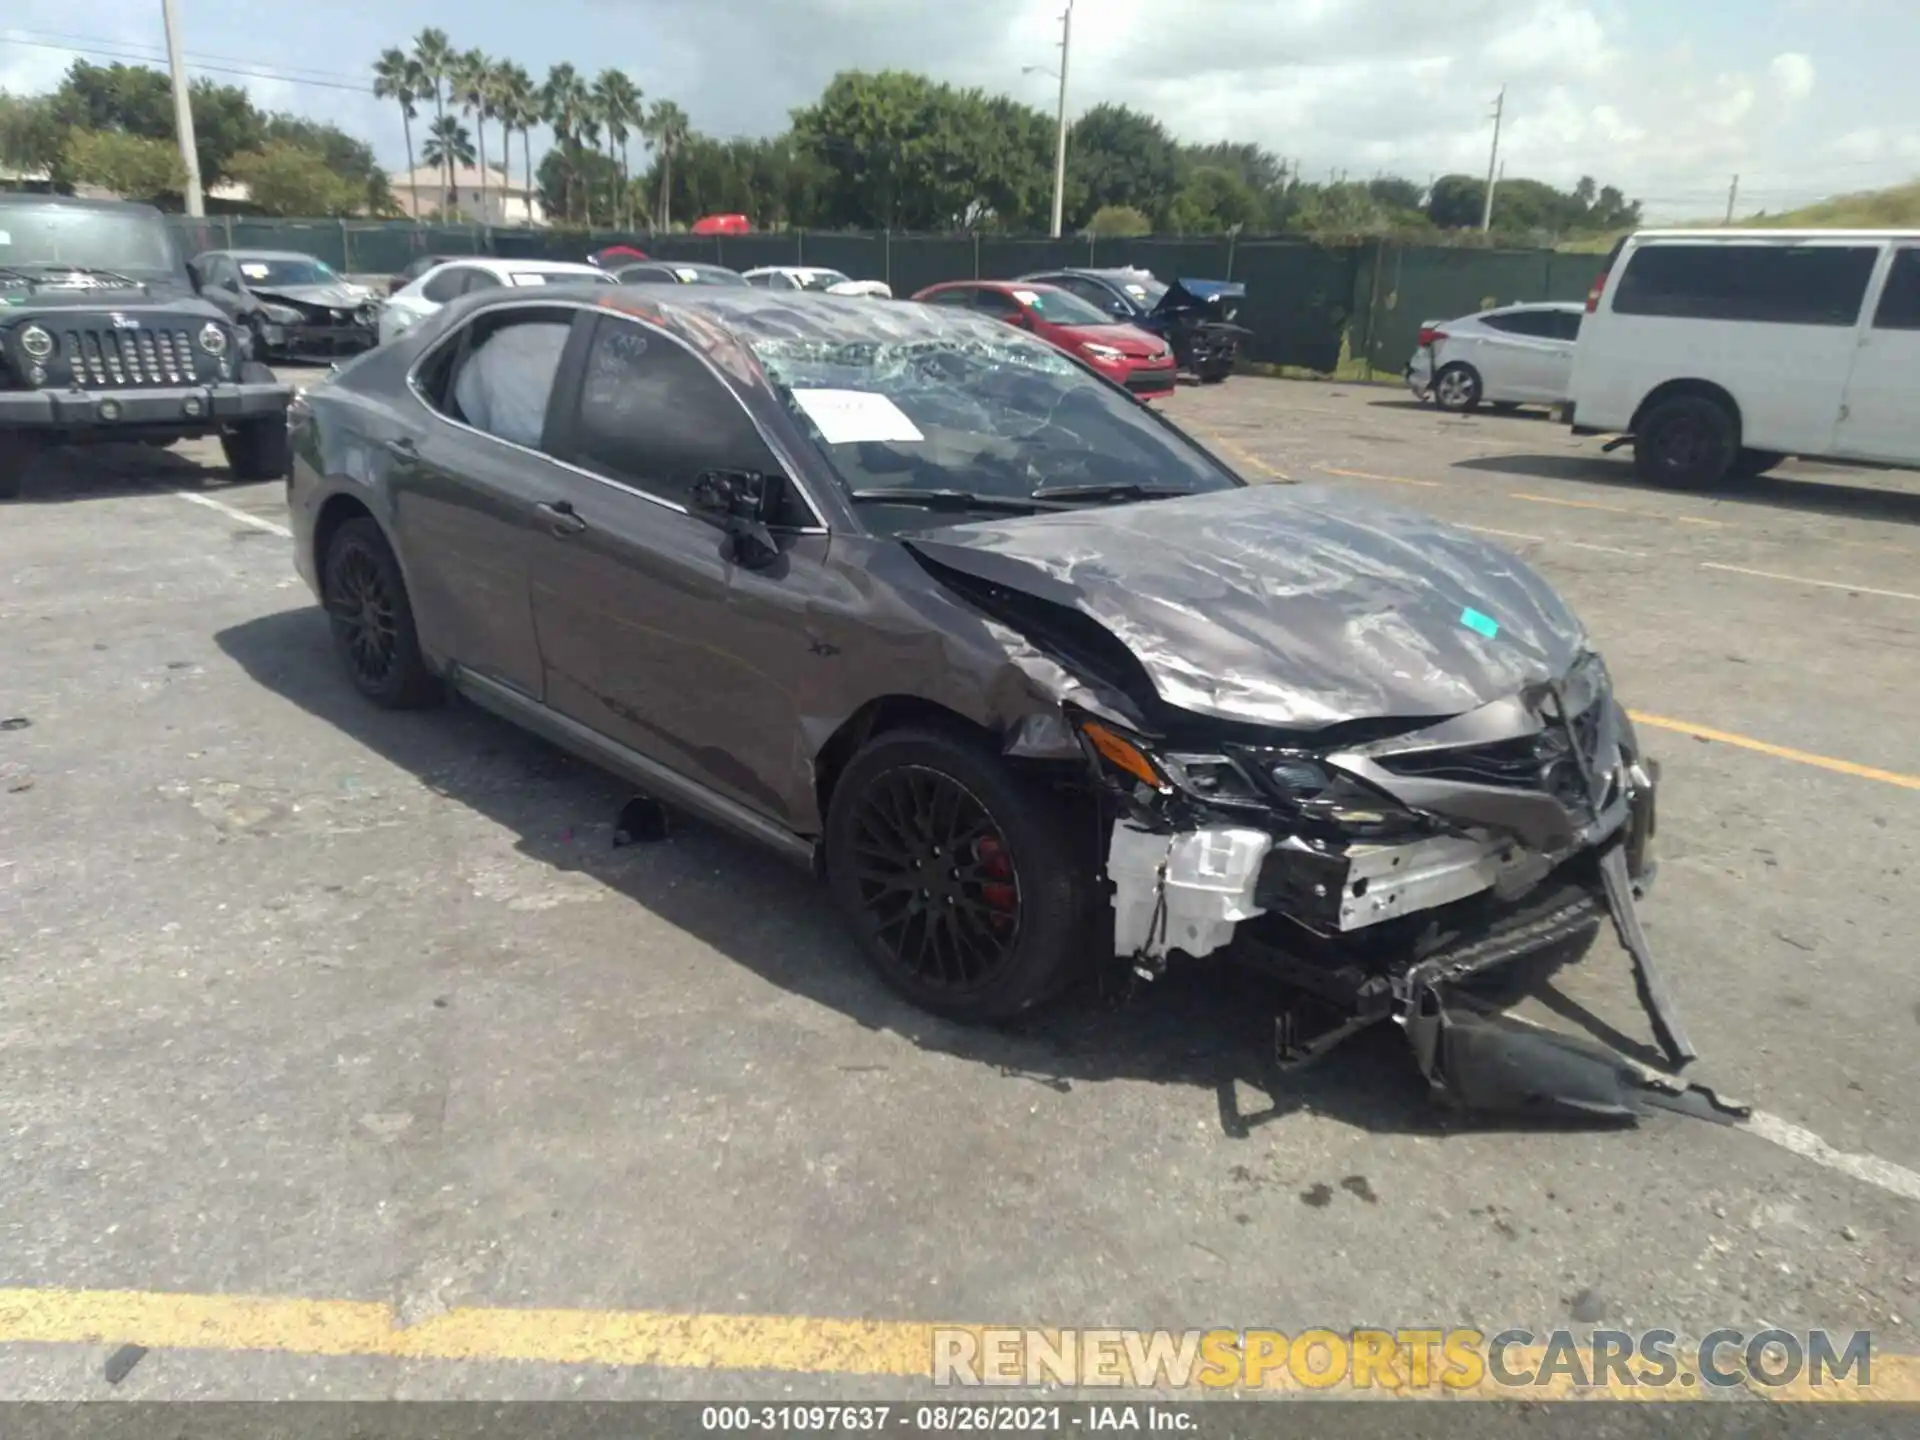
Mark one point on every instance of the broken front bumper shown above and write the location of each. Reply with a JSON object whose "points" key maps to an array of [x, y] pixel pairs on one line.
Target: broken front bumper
{"points": [[1372, 931]]}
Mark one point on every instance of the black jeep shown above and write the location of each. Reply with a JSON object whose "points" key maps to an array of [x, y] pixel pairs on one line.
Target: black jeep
{"points": [[103, 340]]}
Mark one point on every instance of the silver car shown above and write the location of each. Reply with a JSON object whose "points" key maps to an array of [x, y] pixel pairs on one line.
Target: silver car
{"points": [[1511, 356]]}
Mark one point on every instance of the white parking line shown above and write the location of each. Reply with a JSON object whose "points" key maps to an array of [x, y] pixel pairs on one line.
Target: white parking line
{"points": [[1802, 580], [272, 527], [1809, 1146], [1553, 540]]}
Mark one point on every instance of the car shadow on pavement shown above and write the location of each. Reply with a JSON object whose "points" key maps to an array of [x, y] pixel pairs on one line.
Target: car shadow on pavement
{"points": [[1813, 492], [90, 472], [1206, 1026]]}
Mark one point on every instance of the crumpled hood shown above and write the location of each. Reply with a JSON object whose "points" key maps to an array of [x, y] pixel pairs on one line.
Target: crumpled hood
{"points": [[324, 297], [1297, 607]]}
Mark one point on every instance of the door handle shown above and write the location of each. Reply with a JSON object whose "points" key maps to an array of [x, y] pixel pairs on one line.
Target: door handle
{"points": [[402, 449], [560, 517]]}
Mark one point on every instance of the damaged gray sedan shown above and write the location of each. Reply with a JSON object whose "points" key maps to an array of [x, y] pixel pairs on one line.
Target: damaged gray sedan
{"points": [[1031, 677]]}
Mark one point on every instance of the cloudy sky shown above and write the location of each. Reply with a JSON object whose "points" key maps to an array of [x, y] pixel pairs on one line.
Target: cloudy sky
{"points": [[1667, 98]]}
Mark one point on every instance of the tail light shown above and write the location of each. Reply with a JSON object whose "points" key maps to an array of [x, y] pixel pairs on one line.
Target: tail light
{"points": [[1599, 288], [1429, 336]]}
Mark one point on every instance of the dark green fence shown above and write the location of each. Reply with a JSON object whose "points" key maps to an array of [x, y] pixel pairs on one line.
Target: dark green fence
{"points": [[1307, 304]]}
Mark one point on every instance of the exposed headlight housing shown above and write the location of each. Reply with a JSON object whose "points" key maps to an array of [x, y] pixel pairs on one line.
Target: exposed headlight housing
{"points": [[282, 314], [213, 339], [37, 341]]}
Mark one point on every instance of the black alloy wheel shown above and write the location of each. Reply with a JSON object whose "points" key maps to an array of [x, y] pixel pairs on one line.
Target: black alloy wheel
{"points": [[1689, 442], [371, 619], [961, 880], [935, 878]]}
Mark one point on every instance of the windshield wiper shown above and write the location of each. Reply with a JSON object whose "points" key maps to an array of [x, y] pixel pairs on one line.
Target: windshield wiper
{"points": [[1110, 492], [953, 499]]}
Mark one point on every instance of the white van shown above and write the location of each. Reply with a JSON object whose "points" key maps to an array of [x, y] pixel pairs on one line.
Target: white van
{"points": [[1721, 352]]}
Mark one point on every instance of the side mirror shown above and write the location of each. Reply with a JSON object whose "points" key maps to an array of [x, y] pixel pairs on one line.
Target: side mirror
{"points": [[195, 278], [740, 502]]}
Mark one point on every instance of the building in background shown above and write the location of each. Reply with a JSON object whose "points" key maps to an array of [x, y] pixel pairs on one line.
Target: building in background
{"points": [[421, 193]]}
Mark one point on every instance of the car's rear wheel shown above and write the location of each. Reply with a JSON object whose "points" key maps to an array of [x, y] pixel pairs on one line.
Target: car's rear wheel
{"points": [[17, 454], [960, 882], [259, 449], [372, 619], [1688, 442], [1457, 388]]}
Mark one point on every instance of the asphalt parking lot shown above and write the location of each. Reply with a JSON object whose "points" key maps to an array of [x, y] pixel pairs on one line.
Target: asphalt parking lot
{"points": [[320, 1024]]}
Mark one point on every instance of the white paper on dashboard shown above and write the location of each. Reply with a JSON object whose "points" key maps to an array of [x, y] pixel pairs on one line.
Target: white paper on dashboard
{"points": [[848, 417]]}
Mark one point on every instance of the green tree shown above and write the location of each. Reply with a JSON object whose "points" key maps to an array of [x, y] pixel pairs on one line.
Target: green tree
{"points": [[1258, 169], [449, 146], [1456, 202], [397, 77], [564, 102], [1394, 193], [350, 158], [618, 100], [668, 128], [564, 175], [1213, 201], [283, 178], [132, 166], [137, 100], [1123, 157], [519, 105], [433, 55], [471, 82], [29, 133], [1119, 220]]}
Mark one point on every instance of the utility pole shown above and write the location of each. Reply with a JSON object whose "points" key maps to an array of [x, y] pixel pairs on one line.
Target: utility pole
{"points": [[1493, 159], [1733, 194], [183, 112], [1060, 141]]}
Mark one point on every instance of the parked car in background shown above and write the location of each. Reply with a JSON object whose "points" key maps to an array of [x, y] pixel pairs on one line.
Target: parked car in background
{"points": [[814, 277], [419, 266], [614, 256], [287, 304], [1509, 356], [103, 341], [1718, 353], [913, 599], [721, 225], [1125, 354], [1195, 317], [410, 305], [675, 272]]}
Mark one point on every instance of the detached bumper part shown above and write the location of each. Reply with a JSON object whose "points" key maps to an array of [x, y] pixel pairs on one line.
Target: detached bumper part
{"points": [[1186, 891]]}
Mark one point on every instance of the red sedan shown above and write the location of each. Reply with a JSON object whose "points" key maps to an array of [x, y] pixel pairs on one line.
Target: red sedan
{"points": [[1123, 353]]}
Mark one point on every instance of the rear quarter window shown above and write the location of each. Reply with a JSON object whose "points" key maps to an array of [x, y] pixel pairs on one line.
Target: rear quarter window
{"points": [[1763, 284], [1900, 299]]}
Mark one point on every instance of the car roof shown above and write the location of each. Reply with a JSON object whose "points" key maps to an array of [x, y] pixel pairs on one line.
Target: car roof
{"points": [[794, 270], [1559, 306], [71, 202], [264, 255], [1005, 287], [708, 316], [1780, 236]]}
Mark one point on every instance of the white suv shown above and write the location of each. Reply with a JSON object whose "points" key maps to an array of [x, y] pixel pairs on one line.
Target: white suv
{"points": [[1515, 355], [1722, 352]]}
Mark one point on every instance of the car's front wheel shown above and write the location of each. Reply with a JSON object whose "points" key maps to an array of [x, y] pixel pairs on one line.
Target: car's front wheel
{"points": [[961, 883], [372, 619], [1457, 388]]}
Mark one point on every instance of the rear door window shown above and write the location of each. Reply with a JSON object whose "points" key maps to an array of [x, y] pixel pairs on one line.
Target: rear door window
{"points": [[1760, 283], [1900, 299], [1565, 324], [996, 303], [958, 295], [1535, 323], [448, 284], [497, 374]]}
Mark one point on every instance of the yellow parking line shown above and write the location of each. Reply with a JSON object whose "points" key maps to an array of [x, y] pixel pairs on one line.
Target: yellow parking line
{"points": [[1614, 509], [1392, 479], [1246, 457], [792, 1344], [1779, 752]]}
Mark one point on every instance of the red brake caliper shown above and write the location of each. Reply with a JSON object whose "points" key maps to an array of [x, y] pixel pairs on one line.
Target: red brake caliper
{"points": [[997, 890]]}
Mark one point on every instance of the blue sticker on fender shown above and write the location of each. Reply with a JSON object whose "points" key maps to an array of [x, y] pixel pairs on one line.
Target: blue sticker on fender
{"points": [[1480, 624]]}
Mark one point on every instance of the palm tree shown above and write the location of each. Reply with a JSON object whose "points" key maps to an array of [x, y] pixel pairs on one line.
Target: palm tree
{"points": [[473, 89], [668, 127], [433, 54], [620, 111], [519, 107], [396, 76], [449, 144], [563, 105]]}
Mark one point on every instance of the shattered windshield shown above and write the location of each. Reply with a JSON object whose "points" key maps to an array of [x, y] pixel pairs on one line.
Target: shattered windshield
{"points": [[127, 242], [989, 417], [264, 272]]}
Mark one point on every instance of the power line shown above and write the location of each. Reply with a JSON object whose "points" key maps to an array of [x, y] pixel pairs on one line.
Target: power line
{"points": [[246, 60], [252, 71]]}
